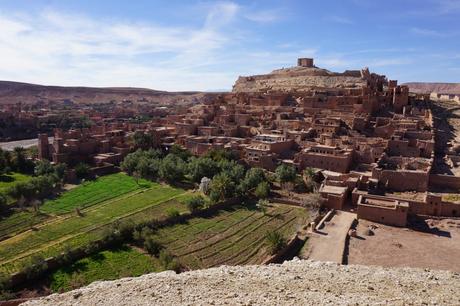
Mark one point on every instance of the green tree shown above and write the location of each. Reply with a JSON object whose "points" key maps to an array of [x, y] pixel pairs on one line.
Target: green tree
{"points": [[222, 187], [152, 246], [180, 152], [195, 203], [201, 167], [253, 178], [82, 170], [221, 154], [286, 173], [172, 168], [43, 167], [20, 162], [262, 190], [309, 172], [276, 241], [143, 140]]}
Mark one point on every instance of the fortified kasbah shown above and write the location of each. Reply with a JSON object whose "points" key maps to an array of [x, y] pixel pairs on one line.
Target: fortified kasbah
{"points": [[371, 144]]}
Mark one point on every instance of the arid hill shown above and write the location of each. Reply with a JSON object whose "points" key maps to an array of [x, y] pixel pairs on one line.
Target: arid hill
{"points": [[300, 79], [14, 92], [444, 88]]}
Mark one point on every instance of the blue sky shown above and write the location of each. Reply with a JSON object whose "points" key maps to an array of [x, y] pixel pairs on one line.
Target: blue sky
{"points": [[206, 45]]}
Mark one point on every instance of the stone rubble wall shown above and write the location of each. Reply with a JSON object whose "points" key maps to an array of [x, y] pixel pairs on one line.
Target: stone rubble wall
{"points": [[292, 283]]}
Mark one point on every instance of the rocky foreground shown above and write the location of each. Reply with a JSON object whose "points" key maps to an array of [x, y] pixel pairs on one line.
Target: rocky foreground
{"points": [[292, 283]]}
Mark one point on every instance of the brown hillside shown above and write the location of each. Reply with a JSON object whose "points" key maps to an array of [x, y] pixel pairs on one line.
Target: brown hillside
{"points": [[444, 88], [14, 92]]}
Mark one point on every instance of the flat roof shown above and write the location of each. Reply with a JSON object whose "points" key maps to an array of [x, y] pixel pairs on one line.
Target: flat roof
{"points": [[333, 189]]}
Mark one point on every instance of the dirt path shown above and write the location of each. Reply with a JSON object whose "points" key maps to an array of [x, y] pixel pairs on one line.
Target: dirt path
{"points": [[328, 244]]}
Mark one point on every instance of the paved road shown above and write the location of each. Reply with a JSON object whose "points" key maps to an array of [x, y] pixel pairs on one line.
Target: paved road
{"points": [[26, 143], [329, 243]]}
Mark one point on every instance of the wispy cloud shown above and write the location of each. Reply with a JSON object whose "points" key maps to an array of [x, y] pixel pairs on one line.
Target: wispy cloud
{"points": [[430, 32], [339, 19], [69, 49], [264, 16]]}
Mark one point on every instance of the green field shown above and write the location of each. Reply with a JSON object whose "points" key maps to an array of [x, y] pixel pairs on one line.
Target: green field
{"points": [[232, 237], [73, 231], [93, 192], [19, 221], [105, 265], [83, 196], [8, 180]]}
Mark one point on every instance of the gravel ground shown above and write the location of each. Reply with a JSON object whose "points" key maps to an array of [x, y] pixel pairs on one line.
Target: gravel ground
{"points": [[293, 283]]}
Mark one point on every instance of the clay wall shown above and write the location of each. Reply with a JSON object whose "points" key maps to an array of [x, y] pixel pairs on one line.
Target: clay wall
{"points": [[445, 181], [391, 216], [402, 180]]}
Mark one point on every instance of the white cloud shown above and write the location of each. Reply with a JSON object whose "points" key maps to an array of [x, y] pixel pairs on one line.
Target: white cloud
{"points": [[66, 49], [264, 16], [429, 32]]}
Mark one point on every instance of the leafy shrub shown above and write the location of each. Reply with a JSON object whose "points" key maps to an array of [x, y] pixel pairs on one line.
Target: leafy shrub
{"points": [[152, 246], [262, 205], [35, 267], [276, 241], [262, 190], [82, 170], [172, 213], [168, 262], [195, 203]]}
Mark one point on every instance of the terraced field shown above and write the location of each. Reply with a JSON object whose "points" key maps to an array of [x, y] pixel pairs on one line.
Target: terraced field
{"points": [[8, 180], [18, 222], [105, 265], [73, 231], [83, 196], [232, 237], [93, 192]]}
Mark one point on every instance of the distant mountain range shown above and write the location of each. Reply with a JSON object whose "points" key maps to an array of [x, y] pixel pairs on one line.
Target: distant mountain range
{"points": [[444, 88], [15, 92]]}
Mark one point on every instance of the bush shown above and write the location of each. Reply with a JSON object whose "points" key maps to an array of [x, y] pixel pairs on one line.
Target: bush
{"points": [[35, 267], [140, 235], [262, 190], [172, 213], [152, 246], [262, 205], [195, 203], [111, 236], [313, 201], [168, 262], [276, 241], [126, 228], [82, 171]]}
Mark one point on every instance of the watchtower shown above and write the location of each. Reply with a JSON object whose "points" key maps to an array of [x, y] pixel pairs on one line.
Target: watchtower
{"points": [[305, 62]]}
